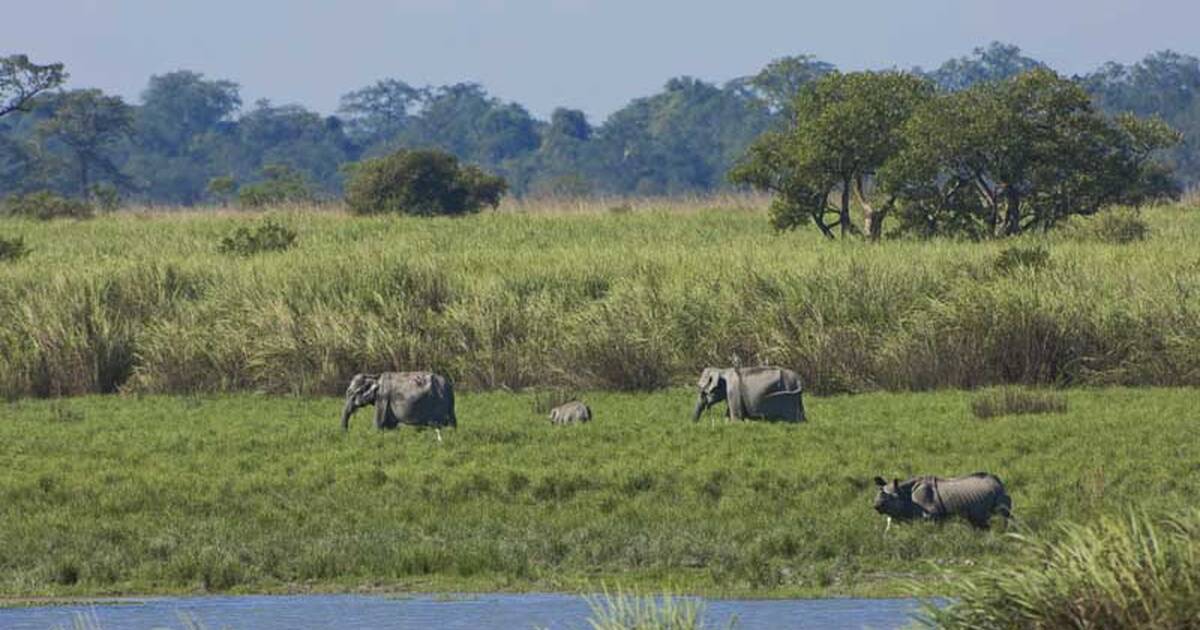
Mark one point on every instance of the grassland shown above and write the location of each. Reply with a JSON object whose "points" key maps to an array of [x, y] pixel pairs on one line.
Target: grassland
{"points": [[144, 302], [146, 494], [218, 465]]}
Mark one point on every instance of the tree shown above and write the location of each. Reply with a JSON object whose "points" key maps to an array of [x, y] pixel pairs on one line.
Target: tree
{"points": [[21, 80], [1026, 151], [780, 81], [378, 113], [995, 62], [424, 182], [90, 124], [178, 106], [845, 126]]}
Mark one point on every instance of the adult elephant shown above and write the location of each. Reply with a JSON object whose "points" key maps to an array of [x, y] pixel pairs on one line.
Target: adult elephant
{"points": [[764, 392], [413, 398]]}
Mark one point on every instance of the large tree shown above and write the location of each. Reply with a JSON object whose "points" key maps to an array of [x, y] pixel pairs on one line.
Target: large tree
{"points": [[845, 126], [21, 80], [1000, 157], [90, 124]]}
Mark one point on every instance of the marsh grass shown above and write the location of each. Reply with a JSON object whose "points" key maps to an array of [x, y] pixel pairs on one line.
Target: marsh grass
{"points": [[624, 611], [1129, 571], [217, 493], [1010, 401], [141, 302]]}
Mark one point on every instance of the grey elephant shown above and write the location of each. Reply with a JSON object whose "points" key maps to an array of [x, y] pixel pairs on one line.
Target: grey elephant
{"points": [[975, 497], [764, 392], [570, 413], [413, 398]]}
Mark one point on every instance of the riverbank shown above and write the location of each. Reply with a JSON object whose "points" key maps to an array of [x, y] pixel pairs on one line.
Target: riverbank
{"points": [[111, 495]]}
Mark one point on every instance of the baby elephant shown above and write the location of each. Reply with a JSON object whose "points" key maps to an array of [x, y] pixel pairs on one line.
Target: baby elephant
{"points": [[570, 413], [974, 497]]}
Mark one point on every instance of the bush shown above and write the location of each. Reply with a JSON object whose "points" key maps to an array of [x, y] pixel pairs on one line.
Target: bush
{"points": [[1131, 572], [424, 182], [1117, 227], [1009, 402], [1017, 256], [45, 205], [281, 184], [269, 236], [13, 248]]}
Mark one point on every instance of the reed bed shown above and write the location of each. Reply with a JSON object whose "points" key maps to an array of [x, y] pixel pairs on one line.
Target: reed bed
{"points": [[144, 302], [1128, 571]]}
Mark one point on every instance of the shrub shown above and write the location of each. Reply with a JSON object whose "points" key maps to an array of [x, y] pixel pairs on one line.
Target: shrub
{"points": [[1132, 572], [1017, 256], [281, 184], [1117, 227], [424, 182], [13, 248], [268, 236], [46, 206], [1009, 402]]}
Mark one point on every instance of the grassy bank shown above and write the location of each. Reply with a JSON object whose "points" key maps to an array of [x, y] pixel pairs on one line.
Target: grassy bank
{"points": [[144, 303], [144, 494]]}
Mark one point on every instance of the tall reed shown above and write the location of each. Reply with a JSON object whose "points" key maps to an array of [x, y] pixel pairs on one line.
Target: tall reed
{"points": [[640, 300], [1120, 572]]}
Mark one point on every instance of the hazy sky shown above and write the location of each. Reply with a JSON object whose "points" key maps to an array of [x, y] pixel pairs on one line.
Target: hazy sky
{"points": [[589, 54]]}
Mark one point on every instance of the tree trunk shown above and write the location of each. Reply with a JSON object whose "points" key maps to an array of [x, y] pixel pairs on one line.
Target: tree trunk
{"points": [[1012, 214], [872, 218], [844, 215]]}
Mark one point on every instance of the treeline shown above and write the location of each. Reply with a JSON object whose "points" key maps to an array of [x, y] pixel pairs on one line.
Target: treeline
{"points": [[192, 140]]}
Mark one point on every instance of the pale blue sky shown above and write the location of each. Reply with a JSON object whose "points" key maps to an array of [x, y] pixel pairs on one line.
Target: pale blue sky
{"points": [[589, 54]]}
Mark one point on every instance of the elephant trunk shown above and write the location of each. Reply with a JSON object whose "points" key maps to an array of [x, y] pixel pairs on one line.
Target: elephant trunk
{"points": [[701, 405], [348, 411]]}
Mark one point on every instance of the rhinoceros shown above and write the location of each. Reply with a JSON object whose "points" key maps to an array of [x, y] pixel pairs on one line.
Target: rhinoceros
{"points": [[975, 497], [570, 413]]}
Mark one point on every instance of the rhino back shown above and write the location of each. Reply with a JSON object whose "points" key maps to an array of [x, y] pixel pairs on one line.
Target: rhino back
{"points": [[961, 494]]}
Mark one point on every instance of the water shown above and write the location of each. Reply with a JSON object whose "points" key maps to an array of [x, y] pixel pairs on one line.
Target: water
{"points": [[444, 612]]}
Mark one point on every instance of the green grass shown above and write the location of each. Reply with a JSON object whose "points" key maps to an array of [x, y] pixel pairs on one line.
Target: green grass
{"points": [[158, 494], [1126, 571], [593, 300]]}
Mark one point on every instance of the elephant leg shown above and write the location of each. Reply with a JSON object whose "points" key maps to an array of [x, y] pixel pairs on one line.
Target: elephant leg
{"points": [[380, 413]]}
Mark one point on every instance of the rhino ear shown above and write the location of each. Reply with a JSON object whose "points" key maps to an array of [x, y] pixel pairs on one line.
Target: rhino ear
{"points": [[880, 482]]}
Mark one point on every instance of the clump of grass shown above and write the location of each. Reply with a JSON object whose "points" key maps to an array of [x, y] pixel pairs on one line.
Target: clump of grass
{"points": [[12, 249], [1121, 572], [47, 206], [268, 236], [1116, 227], [1022, 257], [1008, 401], [623, 208], [622, 611]]}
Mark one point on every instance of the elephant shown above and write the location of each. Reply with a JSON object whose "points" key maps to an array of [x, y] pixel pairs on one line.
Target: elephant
{"points": [[414, 398], [764, 392], [975, 497], [570, 413]]}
